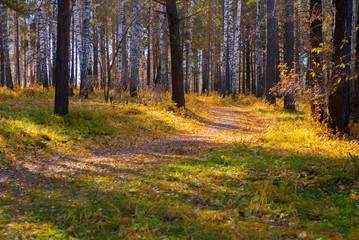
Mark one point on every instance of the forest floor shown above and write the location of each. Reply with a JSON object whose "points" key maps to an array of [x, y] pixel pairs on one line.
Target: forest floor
{"points": [[142, 169]]}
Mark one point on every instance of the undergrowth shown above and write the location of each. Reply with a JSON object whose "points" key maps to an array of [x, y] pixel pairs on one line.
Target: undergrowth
{"points": [[74, 177]]}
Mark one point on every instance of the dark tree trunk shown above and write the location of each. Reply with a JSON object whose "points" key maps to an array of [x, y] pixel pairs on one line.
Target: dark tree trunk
{"points": [[205, 71], [270, 68], [2, 61], [176, 54], [17, 52], [62, 57], [248, 68], [355, 97], [339, 103], [289, 49], [315, 76]]}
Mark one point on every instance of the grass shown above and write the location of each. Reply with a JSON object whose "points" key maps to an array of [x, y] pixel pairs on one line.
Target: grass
{"points": [[73, 177]]}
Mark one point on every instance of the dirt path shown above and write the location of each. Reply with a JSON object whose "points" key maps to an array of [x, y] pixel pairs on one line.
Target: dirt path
{"points": [[226, 125]]}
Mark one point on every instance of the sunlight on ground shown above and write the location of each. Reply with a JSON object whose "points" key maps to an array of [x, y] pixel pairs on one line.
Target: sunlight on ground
{"points": [[220, 169]]}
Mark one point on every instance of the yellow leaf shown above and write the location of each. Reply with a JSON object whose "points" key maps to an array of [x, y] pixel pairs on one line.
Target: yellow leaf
{"points": [[342, 65]]}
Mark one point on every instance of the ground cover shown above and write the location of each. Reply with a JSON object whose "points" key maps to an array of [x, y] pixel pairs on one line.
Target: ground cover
{"points": [[138, 169]]}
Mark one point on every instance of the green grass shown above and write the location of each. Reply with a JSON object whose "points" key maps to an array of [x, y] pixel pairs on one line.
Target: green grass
{"points": [[287, 182]]}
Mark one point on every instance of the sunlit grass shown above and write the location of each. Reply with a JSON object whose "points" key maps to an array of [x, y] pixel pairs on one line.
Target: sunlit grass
{"points": [[284, 179]]}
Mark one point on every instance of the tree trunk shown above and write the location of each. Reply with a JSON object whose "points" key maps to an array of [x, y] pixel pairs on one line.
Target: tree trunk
{"points": [[123, 63], [61, 76], [270, 73], [162, 46], [289, 40], [315, 76], [29, 51], [190, 52], [135, 58], [84, 83], [5, 41], [235, 73], [339, 104], [176, 54], [17, 79], [54, 9], [259, 69], [43, 41], [225, 64]]}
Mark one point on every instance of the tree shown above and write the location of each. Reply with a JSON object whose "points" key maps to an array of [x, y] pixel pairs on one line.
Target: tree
{"points": [[338, 104], [5, 43], [62, 58], [225, 62], [271, 68], [315, 76], [162, 73], [289, 103], [42, 20], [190, 51], [135, 48], [176, 54], [259, 76], [29, 52], [84, 83], [235, 72]]}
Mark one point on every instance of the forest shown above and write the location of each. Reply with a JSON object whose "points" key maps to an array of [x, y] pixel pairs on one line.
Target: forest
{"points": [[179, 119]]}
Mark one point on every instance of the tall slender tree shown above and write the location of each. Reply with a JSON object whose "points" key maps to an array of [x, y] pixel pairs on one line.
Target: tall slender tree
{"points": [[289, 40], [176, 54], [270, 66], [42, 20], [315, 76], [135, 58], [339, 104], [84, 84], [235, 73], [62, 58], [5, 42], [259, 76]]}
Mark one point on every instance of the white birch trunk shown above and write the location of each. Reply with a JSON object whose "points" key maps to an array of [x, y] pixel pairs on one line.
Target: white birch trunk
{"points": [[135, 49], [54, 33], [236, 48], [190, 52], [85, 50], [259, 77], [123, 49], [43, 42], [29, 53], [162, 45], [225, 48], [78, 43]]}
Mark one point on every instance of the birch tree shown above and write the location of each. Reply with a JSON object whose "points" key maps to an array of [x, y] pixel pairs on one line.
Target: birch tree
{"points": [[190, 51], [29, 51], [135, 58], [235, 72], [259, 76], [162, 48], [225, 64], [84, 84], [42, 42], [123, 49]]}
